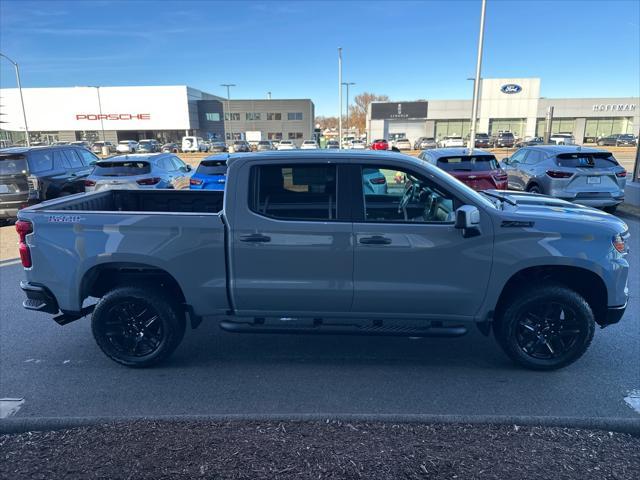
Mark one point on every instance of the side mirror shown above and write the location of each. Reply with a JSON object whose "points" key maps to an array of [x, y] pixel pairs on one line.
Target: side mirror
{"points": [[468, 220], [505, 160]]}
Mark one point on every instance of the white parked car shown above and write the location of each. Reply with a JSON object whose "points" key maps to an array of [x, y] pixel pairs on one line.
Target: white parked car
{"points": [[309, 145], [357, 145], [403, 144], [451, 142], [193, 144], [127, 146], [286, 145], [562, 139]]}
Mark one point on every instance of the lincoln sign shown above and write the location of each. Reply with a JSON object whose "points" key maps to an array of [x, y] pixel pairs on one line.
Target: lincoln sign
{"points": [[113, 116]]}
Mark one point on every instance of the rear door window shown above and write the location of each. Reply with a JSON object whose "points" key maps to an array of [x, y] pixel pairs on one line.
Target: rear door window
{"points": [[73, 158], [60, 161], [40, 161], [87, 157], [466, 163], [294, 192], [177, 163], [166, 164], [121, 169]]}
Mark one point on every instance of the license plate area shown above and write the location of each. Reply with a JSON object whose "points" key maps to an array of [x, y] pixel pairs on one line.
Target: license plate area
{"points": [[593, 180]]}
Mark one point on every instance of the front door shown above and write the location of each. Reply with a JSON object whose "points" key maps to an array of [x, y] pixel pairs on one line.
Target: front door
{"points": [[292, 250], [514, 170], [409, 258]]}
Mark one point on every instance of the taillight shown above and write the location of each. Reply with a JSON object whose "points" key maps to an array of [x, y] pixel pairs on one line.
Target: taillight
{"points": [[378, 180], [24, 228], [148, 181], [621, 174], [557, 174], [501, 177], [89, 183], [195, 181]]}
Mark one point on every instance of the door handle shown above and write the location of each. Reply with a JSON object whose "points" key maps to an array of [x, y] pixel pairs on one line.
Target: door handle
{"points": [[255, 238], [375, 240]]}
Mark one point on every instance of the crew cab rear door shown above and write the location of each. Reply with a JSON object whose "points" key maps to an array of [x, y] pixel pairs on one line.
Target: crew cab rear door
{"points": [[410, 260], [291, 240]]}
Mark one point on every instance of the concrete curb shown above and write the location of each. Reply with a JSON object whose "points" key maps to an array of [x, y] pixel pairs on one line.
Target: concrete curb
{"points": [[630, 426]]}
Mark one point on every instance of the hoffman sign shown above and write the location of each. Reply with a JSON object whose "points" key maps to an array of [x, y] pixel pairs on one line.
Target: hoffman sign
{"points": [[113, 116], [614, 107]]}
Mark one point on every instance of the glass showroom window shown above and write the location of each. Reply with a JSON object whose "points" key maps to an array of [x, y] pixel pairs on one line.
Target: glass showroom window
{"points": [[602, 127], [232, 116], [295, 135], [252, 116], [559, 125], [513, 125], [274, 136], [452, 128], [212, 117], [294, 116], [274, 116]]}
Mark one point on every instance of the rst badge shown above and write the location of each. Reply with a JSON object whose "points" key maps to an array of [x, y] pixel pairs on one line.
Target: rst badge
{"points": [[64, 218]]}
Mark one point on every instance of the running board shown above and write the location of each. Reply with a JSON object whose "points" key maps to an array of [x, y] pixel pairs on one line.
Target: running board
{"points": [[318, 328]]}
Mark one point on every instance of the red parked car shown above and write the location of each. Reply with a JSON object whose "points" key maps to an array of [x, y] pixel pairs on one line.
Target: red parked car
{"points": [[380, 144], [477, 168]]}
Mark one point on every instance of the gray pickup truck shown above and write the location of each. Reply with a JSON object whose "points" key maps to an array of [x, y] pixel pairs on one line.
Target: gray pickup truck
{"points": [[327, 242]]}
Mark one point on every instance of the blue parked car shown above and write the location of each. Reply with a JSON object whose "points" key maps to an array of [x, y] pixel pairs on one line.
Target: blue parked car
{"points": [[211, 174]]}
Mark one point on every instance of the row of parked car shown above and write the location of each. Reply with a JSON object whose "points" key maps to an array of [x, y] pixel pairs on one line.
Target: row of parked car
{"points": [[30, 175]]}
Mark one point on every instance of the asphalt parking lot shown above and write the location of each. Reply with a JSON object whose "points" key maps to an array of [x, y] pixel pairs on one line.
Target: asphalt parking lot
{"points": [[52, 371]]}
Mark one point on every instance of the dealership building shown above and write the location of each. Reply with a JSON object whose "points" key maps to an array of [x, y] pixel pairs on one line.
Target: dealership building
{"points": [[505, 104], [165, 113]]}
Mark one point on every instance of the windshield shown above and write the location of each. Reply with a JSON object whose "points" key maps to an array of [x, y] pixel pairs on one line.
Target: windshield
{"points": [[121, 168], [12, 164], [468, 163]]}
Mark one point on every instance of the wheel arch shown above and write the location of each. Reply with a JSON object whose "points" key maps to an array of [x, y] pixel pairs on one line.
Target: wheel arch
{"points": [[585, 282]]}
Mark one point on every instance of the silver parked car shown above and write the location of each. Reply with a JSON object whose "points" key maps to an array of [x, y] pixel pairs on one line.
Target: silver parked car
{"points": [[157, 170], [583, 175], [265, 145]]}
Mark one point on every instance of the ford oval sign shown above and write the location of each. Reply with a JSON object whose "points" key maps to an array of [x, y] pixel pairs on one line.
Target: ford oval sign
{"points": [[511, 88]]}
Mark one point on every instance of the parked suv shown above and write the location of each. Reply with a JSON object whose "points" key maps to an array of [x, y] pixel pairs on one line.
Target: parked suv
{"points": [[504, 139], [588, 176], [97, 147], [618, 140], [562, 139], [148, 146], [31, 175]]}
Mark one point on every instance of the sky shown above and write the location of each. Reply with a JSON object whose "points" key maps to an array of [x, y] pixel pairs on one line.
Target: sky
{"points": [[406, 50]]}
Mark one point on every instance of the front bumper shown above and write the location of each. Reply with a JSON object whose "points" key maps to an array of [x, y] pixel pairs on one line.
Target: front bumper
{"points": [[39, 298], [614, 314]]}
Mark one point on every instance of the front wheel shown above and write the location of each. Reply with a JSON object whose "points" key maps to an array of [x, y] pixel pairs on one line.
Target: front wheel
{"points": [[545, 328], [137, 326]]}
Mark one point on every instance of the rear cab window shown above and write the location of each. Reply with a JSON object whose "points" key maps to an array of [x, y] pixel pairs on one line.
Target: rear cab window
{"points": [[294, 192], [12, 164], [467, 163], [121, 169]]}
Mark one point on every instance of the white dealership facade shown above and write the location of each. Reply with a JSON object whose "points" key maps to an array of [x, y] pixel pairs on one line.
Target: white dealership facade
{"points": [[165, 113], [505, 104]]}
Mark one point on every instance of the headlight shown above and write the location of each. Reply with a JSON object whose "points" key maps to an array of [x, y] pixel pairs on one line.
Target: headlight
{"points": [[619, 243]]}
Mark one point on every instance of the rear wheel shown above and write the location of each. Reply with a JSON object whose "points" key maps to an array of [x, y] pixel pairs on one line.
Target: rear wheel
{"points": [[137, 326], [546, 328], [611, 209], [534, 189]]}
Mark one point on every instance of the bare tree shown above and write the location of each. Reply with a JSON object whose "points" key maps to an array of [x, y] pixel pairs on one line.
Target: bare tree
{"points": [[358, 111], [327, 122]]}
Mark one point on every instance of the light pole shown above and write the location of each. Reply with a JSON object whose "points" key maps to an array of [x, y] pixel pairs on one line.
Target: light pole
{"points": [[476, 82], [229, 85], [347, 85], [340, 98], [100, 109], [268, 95], [24, 113]]}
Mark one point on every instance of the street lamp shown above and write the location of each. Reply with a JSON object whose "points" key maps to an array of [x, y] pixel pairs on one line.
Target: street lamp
{"points": [[100, 109], [476, 83], [229, 85], [347, 85], [24, 113]]}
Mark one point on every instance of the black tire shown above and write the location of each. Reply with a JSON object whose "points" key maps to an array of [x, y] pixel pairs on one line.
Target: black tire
{"points": [[531, 335], [121, 319], [611, 209], [534, 189]]}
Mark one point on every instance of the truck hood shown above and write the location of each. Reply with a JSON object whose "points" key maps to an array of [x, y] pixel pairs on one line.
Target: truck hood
{"points": [[532, 207]]}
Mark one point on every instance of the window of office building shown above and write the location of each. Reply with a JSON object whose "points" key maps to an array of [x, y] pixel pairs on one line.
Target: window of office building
{"points": [[212, 117], [232, 116], [274, 135], [559, 125], [294, 116], [513, 125], [234, 136], [295, 135], [602, 127], [252, 116], [452, 128], [274, 116]]}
